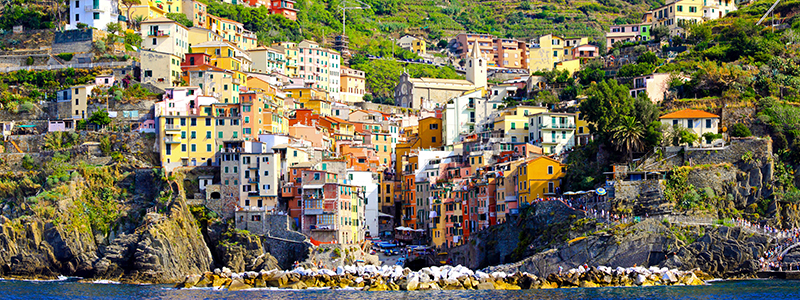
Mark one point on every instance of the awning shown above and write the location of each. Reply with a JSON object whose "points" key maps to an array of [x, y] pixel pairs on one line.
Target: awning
{"points": [[313, 186], [380, 214]]}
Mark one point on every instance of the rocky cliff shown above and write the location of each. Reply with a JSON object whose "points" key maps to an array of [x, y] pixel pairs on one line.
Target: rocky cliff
{"points": [[547, 241], [112, 222]]}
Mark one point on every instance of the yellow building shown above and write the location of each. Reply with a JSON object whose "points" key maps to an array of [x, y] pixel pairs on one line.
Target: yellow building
{"points": [[152, 9], [225, 55], [572, 66], [197, 12], [545, 52], [290, 53], [353, 85], [542, 178], [582, 133], [430, 134], [160, 69], [674, 13], [199, 35], [186, 141], [419, 46], [216, 82], [514, 122], [275, 122], [233, 32], [312, 98]]}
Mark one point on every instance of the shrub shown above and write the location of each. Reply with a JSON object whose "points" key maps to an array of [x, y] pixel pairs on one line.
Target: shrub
{"points": [[100, 46], [740, 130], [25, 108], [28, 163], [710, 136], [65, 56], [29, 60]]}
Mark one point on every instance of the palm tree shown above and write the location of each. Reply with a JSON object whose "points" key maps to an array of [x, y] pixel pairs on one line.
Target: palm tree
{"points": [[129, 5], [136, 23], [628, 136]]}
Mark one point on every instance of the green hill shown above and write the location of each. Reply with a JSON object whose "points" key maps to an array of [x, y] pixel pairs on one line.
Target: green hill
{"points": [[435, 19]]}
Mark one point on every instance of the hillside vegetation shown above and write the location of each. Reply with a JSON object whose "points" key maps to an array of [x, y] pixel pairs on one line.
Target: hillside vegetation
{"points": [[385, 19]]}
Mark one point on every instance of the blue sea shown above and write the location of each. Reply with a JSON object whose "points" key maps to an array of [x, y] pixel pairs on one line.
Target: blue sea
{"points": [[71, 289]]}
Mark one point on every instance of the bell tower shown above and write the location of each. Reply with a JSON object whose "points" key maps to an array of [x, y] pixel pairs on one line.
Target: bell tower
{"points": [[476, 67]]}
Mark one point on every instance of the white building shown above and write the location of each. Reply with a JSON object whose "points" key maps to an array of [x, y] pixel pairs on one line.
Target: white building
{"points": [[655, 85], [369, 183], [459, 116], [696, 121], [166, 36], [250, 171], [95, 13], [554, 132]]}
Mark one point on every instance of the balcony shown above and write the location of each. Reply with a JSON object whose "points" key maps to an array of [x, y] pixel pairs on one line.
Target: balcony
{"points": [[92, 8], [252, 180], [171, 140], [172, 127], [324, 227], [313, 211], [236, 81], [158, 33]]}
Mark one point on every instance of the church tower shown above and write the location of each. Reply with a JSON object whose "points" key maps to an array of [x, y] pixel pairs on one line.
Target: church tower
{"points": [[476, 67]]}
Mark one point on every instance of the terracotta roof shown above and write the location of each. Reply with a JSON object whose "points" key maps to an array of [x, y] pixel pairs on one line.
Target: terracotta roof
{"points": [[689, 114]]}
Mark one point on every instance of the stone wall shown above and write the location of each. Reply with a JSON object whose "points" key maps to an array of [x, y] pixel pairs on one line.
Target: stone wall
{"points": [[73, 41]]}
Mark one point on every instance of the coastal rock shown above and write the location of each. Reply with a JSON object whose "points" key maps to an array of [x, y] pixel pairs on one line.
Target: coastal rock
{"points": [[237, 285]]}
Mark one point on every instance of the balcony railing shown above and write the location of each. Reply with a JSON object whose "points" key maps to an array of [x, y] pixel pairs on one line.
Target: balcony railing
{"points": [[172, 127], [158, 33], [170, 140], [92, 8]]}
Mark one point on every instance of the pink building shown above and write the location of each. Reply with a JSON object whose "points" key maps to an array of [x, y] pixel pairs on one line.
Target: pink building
{"points": [[319, 68]]}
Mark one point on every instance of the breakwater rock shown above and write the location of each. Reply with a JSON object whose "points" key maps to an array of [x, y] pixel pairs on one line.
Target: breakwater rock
{"points": [[395, 278]]}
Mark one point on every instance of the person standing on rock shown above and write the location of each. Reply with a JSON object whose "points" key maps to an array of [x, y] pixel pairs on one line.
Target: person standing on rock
{"points": [[560, 268]]}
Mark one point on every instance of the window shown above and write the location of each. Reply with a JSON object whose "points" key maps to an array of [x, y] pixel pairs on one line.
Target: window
{"points": [[96, 16], [674, 122], [77, 16], [433, 140], [194, 147], [690, 123], [208, 147], [155, 41], [208, 134], [680, 7], [183, 148], [194, 134], [708, 123], [550, 170]]}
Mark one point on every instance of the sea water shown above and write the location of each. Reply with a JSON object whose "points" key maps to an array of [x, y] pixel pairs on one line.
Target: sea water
{"points": [[71, 289]]}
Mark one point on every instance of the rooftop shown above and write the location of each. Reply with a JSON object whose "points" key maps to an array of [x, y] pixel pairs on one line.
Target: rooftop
{"points": [[689, 114]]}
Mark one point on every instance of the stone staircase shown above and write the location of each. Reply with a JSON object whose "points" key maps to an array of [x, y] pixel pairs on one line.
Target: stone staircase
{"points": [[652, 202]]}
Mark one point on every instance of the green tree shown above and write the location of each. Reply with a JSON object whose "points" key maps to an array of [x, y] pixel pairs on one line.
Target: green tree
{"points": [[659, 32], [648, 57], [113, 28], [632, 70], [628, 136], [589, 75], [181, 19], [645, 111], [100, 118], [607, 102], [740, 130]]}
